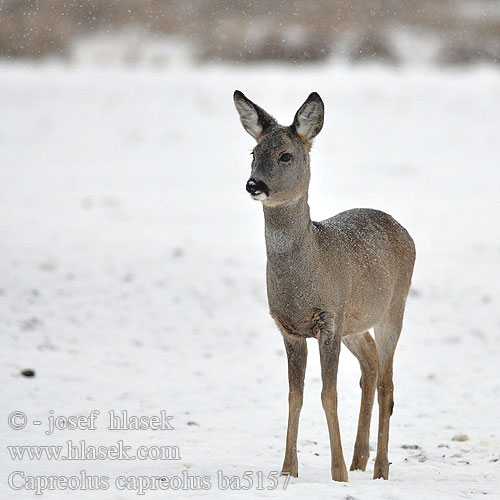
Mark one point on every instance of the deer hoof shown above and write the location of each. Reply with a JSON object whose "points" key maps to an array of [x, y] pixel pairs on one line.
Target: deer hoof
{"points": [[359, 461], [381, 470], [357, 465], [339, 473], [290, 469]]}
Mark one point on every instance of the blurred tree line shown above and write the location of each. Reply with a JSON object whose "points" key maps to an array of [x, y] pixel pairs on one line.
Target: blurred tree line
{"points": [[246, 30]]}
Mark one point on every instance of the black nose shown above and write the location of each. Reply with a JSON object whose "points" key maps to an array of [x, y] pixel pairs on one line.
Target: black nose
{"points": [[257, 187]]}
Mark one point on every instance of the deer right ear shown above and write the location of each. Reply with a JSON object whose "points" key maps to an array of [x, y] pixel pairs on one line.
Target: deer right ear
{"points": [[253, 118], [308, 120]]}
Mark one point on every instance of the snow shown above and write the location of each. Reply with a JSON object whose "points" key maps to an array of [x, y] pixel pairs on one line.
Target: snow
{"points": [[133, 271]]}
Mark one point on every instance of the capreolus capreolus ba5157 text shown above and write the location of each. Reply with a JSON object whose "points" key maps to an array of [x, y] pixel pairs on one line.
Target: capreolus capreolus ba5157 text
{"points": [[331, 280]]}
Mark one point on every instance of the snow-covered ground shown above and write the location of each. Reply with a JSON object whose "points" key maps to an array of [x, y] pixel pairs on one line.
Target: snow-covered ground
{"points": [[132, 272]]}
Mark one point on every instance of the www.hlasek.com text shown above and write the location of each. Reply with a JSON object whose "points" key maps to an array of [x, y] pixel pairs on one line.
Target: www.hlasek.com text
{"points": [[81, 450]]}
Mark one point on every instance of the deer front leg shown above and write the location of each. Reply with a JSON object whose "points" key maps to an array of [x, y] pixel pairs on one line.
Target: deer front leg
{"points": [[329, 350], [296, 350]]}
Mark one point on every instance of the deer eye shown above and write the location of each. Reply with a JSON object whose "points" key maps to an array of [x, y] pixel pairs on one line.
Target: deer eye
{"points": [[285, 157]]}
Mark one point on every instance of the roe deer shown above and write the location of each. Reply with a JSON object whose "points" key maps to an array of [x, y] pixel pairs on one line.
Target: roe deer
{"points": [[331, 280]]}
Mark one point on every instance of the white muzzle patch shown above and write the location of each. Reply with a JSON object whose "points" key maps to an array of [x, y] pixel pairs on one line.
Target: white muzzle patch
{"points": [[259, 196]]}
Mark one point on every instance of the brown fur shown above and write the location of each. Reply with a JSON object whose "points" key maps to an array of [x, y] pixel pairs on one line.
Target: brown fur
{"points": [[309, 327], [332, 280]]}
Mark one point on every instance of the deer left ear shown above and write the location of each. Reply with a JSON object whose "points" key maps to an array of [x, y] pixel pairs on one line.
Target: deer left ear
{"points": [[308, 120], [253, 118]]}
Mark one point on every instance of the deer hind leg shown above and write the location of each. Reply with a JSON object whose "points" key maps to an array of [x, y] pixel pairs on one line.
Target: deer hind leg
{"points": [[363, 347], [329, 350], [386, 337], [296, 350]]}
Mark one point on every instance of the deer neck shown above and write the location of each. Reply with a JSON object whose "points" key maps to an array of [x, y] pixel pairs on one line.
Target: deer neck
{"points": [[288, 229]]}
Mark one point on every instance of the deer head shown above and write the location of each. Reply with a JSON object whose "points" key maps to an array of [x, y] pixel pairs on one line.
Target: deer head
{"points": [[280, 166]]}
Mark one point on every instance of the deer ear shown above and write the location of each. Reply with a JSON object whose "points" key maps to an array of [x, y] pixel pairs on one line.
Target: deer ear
{"points": [[308, 120], [253, 118]]}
